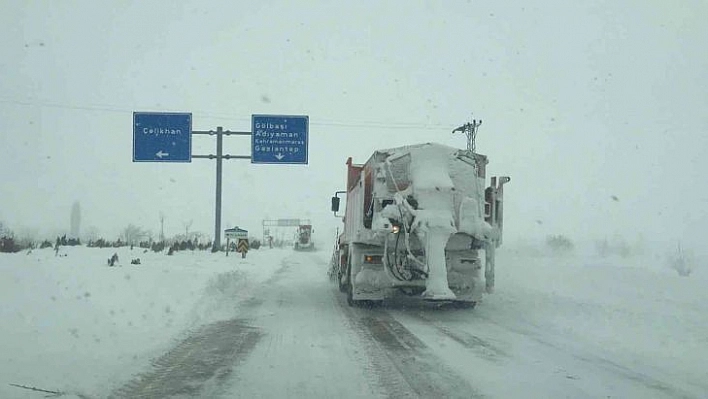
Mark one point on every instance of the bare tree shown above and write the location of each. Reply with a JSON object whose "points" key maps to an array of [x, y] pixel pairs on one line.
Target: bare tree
{"points": [[187, 225], [132, 234], [681, 263], [91, 234], [4, 230], [27, 236]]}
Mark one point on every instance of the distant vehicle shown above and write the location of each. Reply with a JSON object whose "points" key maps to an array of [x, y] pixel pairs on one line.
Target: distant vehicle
{"points": [[303, 241], [416, 219]]}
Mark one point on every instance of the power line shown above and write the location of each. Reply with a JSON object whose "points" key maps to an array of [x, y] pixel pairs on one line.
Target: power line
{"points": [[62, 106], [320, 122]]}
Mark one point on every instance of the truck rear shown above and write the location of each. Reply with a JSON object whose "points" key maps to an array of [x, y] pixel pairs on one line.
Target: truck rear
{"points": [[303, 240], [417, 219]]}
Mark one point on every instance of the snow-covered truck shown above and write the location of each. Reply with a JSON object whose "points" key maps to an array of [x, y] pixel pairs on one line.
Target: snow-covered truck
{"points": [[303, 239], [417, 219]]}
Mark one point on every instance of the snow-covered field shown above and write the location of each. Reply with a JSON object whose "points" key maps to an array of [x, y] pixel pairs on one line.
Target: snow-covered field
{"points": [[633, 316], [73, 324], [566, 326]]}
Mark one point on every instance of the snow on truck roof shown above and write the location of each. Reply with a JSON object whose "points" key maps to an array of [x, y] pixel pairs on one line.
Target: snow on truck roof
{"points": [[423, 155], [412, 149], [417, 146]]}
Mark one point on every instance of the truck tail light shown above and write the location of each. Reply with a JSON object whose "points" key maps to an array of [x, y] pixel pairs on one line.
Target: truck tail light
{"points": [[373, 259]]}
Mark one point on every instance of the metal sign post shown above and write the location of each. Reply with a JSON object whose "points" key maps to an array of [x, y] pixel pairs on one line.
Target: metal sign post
{"points": [[220, 133]]}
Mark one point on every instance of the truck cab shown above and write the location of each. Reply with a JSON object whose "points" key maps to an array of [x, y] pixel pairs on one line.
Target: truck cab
{"points": [[303, 240]]}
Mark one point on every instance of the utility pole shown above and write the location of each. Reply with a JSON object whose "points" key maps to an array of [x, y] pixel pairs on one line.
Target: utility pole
{"points": [[187, 225], [470, 130], [220, 133]]}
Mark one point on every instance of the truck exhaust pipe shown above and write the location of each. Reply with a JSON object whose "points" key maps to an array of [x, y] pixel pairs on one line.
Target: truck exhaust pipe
{"points": [[489, 267], [495, 201]]}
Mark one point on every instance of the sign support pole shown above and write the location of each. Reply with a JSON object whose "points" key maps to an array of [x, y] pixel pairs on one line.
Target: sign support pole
{"points": [[220, 156]]}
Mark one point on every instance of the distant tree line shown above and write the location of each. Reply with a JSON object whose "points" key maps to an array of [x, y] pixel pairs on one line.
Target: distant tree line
{"points": [[10, 244], [131, 236], [156, 246], [103, 243], [559, 243], [187, 245], [63, 241]]}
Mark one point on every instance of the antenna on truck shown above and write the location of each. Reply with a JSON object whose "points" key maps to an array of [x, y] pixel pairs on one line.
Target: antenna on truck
{"points": [[470, 130]]}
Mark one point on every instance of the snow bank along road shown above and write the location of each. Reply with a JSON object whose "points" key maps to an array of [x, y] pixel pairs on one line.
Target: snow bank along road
{"points": [[273, 326]]}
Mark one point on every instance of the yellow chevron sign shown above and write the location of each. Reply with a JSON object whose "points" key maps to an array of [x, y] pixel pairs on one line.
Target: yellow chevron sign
{"points": [[242, 245]]}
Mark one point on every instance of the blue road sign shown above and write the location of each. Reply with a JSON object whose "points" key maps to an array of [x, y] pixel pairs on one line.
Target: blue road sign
{"points": [[279, 139], [162, 137]]}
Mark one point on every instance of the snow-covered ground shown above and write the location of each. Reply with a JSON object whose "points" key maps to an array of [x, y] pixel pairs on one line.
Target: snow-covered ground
{"points": [[558, 326], [71, 323], [636, 308], [605, 317]]}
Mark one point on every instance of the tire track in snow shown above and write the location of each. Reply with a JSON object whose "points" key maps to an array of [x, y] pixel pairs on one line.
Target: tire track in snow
{"points": [[573, 357], [403, 364], [308, 350], [479, 346], [199, 364]]}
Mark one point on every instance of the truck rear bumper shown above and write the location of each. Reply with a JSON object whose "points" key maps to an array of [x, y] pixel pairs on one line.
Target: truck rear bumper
{"points": [[372, 284]]}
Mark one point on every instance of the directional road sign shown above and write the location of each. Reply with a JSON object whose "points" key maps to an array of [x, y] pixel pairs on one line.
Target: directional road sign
{"points": [[279, 139], [162, 137], [288, 222], [236, 233]]}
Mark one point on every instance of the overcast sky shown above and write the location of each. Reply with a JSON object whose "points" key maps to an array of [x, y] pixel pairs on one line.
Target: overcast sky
{"points": [[580, 102]]}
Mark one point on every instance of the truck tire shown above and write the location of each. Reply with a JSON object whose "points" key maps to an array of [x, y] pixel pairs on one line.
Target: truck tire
{"points": [[464, 304], [354, 256], [350, 290], [342, 286], [350, 296], [342, 270]]}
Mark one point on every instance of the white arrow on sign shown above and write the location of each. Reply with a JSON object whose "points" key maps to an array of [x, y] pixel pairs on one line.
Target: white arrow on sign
{"points": [[279, 156], [161, 154]]}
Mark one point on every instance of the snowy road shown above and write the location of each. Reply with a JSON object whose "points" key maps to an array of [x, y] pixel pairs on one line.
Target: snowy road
{"points": [[294, 336]]}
